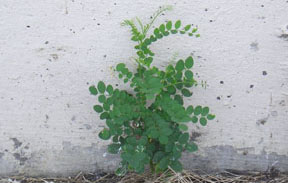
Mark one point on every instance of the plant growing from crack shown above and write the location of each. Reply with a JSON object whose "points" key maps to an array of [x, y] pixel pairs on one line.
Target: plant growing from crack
{"points": [[149, 126]]}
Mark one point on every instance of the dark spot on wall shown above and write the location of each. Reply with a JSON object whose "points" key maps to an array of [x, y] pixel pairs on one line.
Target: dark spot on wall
{"points": [[261, 140], [264, 73], [254, 46], [218, 98], [245, 153], [54, 56], [46, 117], [73, 118], [16, 142], [115, 4], [87, 126], [221, 82], [116, 84], [262, 121], [46, 42], [229, 96], [283, 36], [210, 20], [194, 136], [28, 26], [262, 5], [206, 9], [251, 86], [282, 103], [20, 158]]}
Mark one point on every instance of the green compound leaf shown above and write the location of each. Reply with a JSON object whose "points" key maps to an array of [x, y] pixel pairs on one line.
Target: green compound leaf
{"points": [[158, 156], [176, 166], [166, 33], [194, 119], [106, 106], [174, 31], [162, 28], [187, 27], [129, 75], [189, 62], [189, 74], [183, 138], [163, 164], [178, 75], [186, 92], [156, 31], [171, 90], [93, 90], [210, 116], [179, 86], [179, 99], [109, 89], [205, 111], [198, 110], [203, 121], [102, 98], [163, 139], [104, 134], [194, 30], [153, 134], [114, 148], [190, 109], [101, 86], [177, 24], [179, 65], [183, 127], [192, 147], [148, 61], [120, 67], [98, 108], [104, 115], [165, 131], [169, 25]]}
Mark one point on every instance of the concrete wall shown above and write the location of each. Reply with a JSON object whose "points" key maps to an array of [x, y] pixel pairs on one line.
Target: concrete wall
{"points": [[52, 50]]}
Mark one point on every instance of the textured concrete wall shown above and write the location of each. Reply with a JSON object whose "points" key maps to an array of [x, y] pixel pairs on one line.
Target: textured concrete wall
{"points": [[52, 50]]}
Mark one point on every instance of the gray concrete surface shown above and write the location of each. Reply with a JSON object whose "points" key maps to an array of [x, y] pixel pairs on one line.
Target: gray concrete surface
{"points": [[51, 51]]}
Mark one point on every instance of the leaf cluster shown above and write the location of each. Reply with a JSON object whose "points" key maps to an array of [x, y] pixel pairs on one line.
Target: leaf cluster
{"points": [[149, 126]]}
